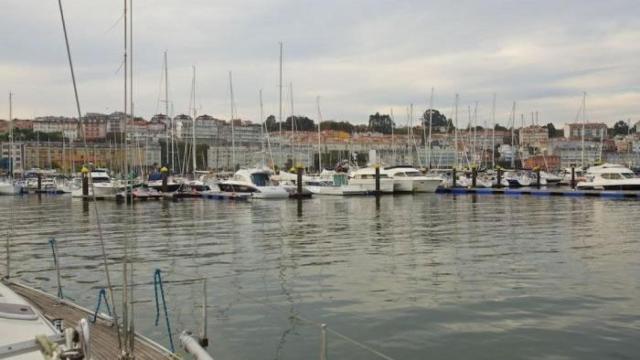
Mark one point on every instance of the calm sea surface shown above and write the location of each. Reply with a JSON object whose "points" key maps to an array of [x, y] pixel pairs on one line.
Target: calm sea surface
{"points": [[413, 277]]}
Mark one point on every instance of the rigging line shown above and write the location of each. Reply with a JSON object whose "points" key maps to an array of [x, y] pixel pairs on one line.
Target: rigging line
{"points": [[95, 205], [114, 24]]}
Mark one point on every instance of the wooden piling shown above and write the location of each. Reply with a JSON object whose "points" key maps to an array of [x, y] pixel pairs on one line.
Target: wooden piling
{"points": [[377, 167]]}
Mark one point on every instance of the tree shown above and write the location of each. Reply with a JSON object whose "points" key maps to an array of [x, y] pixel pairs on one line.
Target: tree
{"points": [[553, 132], [271, 124], [620, 128], [302, 123], [381, 123], [499, 127], [438, 119]]}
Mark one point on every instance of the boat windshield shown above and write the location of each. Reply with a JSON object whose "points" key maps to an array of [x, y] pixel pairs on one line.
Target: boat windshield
{"points": [[413, 173], [628, 175], [260, 179]]}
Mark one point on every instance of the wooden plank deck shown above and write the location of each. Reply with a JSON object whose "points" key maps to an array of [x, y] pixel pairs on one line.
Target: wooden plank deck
{"points": [[104, 341]]}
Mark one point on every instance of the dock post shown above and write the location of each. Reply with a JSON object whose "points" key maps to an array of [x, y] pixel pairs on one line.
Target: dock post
{"points": [[499, 177], [299, 171], [573, 176], [85, 182], [204, 340], [377, 167], [454, 178], [474, 176], [39, 175], [165, 178], [323, 342], [537, 171]]}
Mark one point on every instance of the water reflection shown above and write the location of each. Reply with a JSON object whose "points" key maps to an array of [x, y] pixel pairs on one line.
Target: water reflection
{"points": [[411, 275]]}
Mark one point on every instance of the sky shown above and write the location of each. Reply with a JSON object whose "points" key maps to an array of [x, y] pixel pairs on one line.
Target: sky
{"points": [[358, 56]]}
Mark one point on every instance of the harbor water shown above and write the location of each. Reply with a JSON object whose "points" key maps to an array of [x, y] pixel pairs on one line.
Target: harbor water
{"points": [[430, 276]]}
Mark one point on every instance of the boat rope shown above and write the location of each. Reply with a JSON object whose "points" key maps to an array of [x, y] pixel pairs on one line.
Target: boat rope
{"points": [[101, 295], [93, 193], [157, 285], [53, 244]]}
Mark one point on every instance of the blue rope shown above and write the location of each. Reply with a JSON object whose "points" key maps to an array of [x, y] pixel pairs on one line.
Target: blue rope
{"points": [[101, 295], [52, 242], [157, 283]]}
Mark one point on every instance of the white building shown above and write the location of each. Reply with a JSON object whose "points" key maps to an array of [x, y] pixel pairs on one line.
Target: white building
{"points": [[57, 124]]}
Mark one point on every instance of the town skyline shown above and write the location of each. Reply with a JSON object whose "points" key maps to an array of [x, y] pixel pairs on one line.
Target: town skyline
{"points": [[364, 59]]}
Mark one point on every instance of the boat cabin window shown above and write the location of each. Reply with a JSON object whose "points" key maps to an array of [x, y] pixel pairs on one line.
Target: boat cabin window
{"points": [[371, 176], [97, 180], [399, 174], [260, 179], [413, 173], [628, 176]]}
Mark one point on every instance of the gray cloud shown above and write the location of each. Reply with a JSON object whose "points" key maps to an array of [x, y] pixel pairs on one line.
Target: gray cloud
{"points": [[359, 56]]}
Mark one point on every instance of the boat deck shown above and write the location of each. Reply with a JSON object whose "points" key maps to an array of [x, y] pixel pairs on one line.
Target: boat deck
{"points": [[104, 341]]}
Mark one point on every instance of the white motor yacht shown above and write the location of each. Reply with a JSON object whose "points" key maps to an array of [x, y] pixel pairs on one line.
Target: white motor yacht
{"points": [[255, 181], [609, 177], [409, 179], [366, 177], [103, 185], [516, 180], [330, 182]]}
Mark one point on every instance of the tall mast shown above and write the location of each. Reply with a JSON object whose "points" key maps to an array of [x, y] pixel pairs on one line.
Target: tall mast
{"points": [[493, 135], [193, 127], [513, 125], [11, 135], [169, 123], [428, 145], [455, 133], [280, 103], [262, 130], [475, 133], [293, 127], [584, 105], [393, 144], [126, 97], [319, 135], [233, 137]]}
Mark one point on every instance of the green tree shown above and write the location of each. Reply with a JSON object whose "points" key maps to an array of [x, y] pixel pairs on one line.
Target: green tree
{"points": [[620, 128], [380, 123], [438, 119]]}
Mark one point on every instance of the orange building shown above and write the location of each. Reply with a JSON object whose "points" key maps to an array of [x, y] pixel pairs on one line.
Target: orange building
{"points": [[544, 162]]}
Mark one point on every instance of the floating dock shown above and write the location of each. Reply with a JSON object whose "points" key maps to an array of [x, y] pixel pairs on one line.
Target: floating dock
{"points": [[543, 192]]}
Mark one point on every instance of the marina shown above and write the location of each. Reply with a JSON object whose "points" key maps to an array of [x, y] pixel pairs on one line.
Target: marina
{"points": [[467, 190], [276, 271]]}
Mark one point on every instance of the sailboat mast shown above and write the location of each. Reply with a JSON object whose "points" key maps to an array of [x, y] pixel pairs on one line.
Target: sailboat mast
{"points": [[280, 104], [193, 127], [10, 136], [493, 135], [126, 93], [294, 155], [393, 144], [455, 133], [513, 125], [428, 145], [262, 129], [233, 136], [584, 105], [319, 135], [169, 122]]}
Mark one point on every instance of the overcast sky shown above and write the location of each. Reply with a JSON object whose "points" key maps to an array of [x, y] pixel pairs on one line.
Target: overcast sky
{"points": [[359, 56]]}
